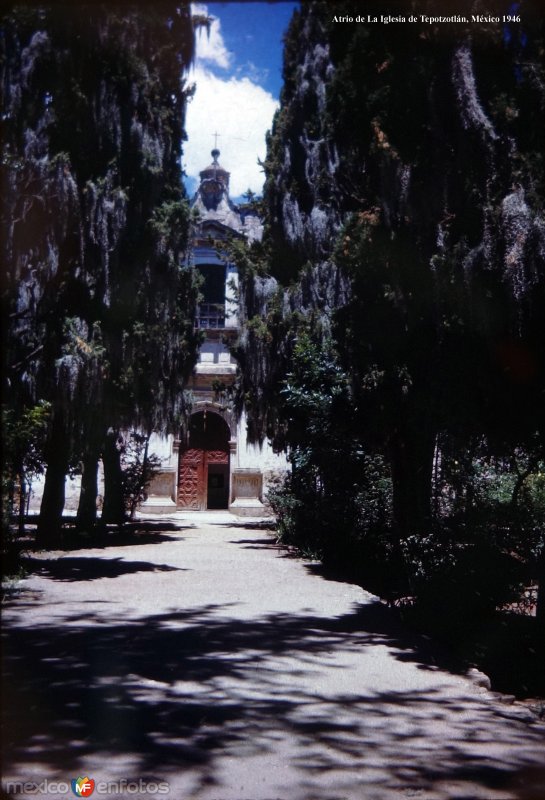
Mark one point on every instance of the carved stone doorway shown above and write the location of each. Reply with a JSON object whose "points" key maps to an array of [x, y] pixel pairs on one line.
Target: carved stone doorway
{"points": [[203, 473]]}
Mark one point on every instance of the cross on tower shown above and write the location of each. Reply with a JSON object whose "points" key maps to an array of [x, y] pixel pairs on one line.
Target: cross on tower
{"points": [[215, 135]]}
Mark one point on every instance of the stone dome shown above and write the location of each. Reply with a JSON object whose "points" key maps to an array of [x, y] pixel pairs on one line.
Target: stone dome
{"points": [[215, 171]]}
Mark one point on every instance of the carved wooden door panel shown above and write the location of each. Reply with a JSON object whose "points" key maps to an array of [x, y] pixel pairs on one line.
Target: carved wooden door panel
{"points": [[217, 457], [191, 480], [207, 444]]}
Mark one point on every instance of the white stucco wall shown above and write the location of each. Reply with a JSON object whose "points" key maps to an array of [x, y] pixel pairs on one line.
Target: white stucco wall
{"points": [[251, 455], [162, 446], [247, 455]]}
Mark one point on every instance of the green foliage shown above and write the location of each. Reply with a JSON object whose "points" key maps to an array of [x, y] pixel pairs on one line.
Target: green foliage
{"points": [[89, 347], [488, 532], [258, 326], [170, 224], [458, 582], [24, 432], [100, 308], [336, 502], [250, 259], [139, 468], [438, 379], [439, 413], [482, 550]]}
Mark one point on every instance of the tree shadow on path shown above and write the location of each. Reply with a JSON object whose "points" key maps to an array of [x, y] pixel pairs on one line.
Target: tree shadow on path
{"points": [[88, 568], [178, 691]]}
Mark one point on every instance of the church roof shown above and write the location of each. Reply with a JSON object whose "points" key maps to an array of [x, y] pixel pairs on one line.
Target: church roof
{"points": [[215, 170], [214, 205]]}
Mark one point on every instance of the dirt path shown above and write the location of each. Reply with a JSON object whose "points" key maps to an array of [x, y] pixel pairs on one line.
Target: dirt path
{"points": [[206, 658]]}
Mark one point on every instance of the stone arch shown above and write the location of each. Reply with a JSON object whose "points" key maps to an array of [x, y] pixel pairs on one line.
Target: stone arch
{"points": [[204, 462]]}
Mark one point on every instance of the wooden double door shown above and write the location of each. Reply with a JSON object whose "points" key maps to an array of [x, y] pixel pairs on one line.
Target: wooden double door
{"points": [[203, 472]]}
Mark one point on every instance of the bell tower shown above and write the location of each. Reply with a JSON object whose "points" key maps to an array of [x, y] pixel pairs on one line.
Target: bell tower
{"points": [[214, 186], [211, 465]]}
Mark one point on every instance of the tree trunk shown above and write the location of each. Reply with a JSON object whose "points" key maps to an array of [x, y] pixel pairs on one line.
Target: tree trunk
{"points": [[87, 507], [50, 520], [519, 483], [540, 607], [22, 501], [113, 510], [411, 456]]}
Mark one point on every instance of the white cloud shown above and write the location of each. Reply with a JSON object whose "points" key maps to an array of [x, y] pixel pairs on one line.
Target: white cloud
{"points": [[210, 47], [237, 107], [241, 112], [255, 74]]}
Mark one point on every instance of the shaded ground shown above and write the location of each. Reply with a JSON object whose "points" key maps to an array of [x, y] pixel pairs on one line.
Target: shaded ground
{"points": [[507, 645], [210, 659]]}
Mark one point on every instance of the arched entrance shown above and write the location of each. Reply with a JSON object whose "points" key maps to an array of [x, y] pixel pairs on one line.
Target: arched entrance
{"points": [[203, 472]]}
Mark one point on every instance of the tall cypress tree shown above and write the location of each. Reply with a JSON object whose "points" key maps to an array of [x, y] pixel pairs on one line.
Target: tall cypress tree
{"points": [[404, 199], [96, 224]]}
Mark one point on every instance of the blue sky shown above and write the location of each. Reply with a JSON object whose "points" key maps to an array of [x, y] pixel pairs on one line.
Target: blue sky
{"points": [[238, 77], [253, 33]]}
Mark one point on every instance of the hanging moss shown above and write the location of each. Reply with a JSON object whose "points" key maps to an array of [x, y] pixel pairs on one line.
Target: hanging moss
{"points": [[94, 214], [404, 219]]}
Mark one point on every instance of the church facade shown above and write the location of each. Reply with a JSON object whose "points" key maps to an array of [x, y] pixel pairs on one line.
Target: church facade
{"points": [[212, 466]]}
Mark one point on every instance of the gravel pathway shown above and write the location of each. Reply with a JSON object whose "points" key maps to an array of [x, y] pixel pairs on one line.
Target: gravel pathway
{"points": [[202, 656]]}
